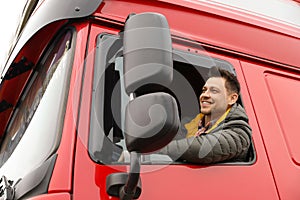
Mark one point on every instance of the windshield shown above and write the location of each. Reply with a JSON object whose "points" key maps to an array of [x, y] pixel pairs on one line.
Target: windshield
{"points": [[33, 133]]}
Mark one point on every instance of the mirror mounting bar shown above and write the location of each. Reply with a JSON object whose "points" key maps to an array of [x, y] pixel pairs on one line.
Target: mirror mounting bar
{"points": [[129, 191], [127, 186]]}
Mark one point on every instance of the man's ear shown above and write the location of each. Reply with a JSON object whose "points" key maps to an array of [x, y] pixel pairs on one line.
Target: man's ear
{"points": [[233, 97]]}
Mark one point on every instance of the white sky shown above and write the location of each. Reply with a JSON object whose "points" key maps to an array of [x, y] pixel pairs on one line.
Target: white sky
{"points": [[10, 12], [286, 11]]}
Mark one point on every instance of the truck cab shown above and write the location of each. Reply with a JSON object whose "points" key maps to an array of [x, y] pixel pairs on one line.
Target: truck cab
{"points": [[65, 88]]}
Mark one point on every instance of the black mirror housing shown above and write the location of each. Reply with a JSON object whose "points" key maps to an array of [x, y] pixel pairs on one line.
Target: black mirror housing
{"points": [[147, 53], [151, 122]]}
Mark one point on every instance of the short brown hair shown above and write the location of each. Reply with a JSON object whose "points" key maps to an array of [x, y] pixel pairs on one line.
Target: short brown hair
{"points": [[231, 82]]}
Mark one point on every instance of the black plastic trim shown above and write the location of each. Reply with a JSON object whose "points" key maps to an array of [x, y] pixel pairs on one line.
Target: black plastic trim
{"points": [[37, 181], [4, 105], [115, 182]]}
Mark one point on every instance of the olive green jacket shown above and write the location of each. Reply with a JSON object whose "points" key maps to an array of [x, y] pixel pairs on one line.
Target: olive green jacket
{"points": [[230, 140]]}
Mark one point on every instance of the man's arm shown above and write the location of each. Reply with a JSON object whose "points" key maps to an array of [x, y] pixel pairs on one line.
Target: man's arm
{"points": [[230, 141]]}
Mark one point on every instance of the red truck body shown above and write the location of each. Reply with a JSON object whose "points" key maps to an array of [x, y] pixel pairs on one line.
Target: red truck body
{"points": [[264, 53]]}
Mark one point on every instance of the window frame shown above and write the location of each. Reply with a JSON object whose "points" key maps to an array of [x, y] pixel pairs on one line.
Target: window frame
{"points": [[179, 56]]}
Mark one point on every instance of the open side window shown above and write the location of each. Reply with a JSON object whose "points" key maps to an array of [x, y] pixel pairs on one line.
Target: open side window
{"points": [[109, 99]]}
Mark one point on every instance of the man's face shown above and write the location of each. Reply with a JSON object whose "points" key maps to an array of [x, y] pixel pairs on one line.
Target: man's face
{"points": [[214, 99]]}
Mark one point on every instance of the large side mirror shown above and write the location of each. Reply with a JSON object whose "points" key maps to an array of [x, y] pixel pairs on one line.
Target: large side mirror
{"points": [[151, 119], [148, 67]]}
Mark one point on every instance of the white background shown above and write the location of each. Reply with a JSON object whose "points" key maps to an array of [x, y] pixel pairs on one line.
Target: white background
{"points": [[10, 14]]}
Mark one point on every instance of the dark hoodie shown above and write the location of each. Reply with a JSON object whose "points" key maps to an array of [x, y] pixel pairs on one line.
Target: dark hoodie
{"points": [[230, 140]]}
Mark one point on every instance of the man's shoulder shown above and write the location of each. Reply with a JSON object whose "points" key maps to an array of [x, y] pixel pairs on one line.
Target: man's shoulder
{"points": [[237, 112]]}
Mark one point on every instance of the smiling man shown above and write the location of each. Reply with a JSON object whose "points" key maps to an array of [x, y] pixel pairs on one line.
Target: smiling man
{"points": [[221, 131]]}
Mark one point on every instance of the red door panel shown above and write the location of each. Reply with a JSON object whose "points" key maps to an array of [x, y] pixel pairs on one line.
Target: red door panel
{"points": [[275, 95]]}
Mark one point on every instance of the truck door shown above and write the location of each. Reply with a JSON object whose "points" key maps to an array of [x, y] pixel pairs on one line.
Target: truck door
{"points": [[275, 94], [98, 153]]}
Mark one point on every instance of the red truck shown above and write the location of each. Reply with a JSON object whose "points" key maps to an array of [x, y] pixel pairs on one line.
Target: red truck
{"points": [[68, 79]]}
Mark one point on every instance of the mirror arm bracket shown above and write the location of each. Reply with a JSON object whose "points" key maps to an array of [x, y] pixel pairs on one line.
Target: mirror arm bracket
{"points": [[126, 186], [128, 191]]}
